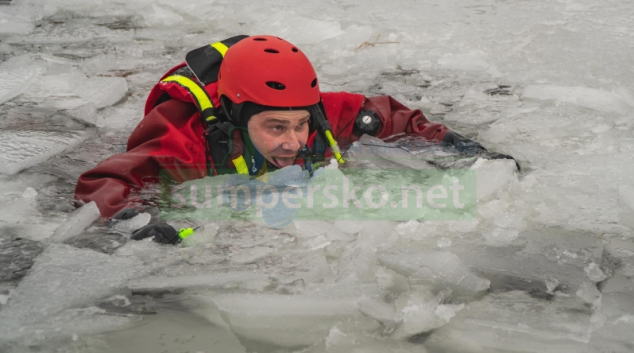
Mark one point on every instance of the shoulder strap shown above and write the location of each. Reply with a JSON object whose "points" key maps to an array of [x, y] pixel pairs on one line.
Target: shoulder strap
{"points": [[199, 94]]}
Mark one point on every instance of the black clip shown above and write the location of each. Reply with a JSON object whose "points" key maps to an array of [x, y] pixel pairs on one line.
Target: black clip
{"points": [[306, 154]]}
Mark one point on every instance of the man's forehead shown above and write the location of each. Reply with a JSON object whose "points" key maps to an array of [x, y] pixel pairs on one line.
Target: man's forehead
{"points": [[283, 115]]}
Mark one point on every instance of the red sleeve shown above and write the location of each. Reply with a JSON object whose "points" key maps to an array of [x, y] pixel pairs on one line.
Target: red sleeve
{"points": [[343, 108], [397, 118], [168, 141]]}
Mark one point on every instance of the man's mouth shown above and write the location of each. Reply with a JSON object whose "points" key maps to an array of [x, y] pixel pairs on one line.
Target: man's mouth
{"points": [[282, 162]]}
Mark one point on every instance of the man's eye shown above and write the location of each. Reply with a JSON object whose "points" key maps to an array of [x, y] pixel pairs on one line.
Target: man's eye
{"points": [[278, 127]]}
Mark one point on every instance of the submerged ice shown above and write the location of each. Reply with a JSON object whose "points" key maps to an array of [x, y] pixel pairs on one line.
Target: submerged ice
{"points": [[545, 263]]}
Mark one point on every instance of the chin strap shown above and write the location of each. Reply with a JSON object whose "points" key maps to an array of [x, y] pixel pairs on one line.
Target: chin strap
{"points": [[324, 134]]}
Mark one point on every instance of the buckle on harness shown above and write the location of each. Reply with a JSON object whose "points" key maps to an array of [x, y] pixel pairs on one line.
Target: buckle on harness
{"points": [[217, 128]]}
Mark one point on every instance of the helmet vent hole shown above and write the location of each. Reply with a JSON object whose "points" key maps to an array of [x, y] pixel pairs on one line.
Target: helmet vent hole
{"points": [[272, 51], [314, 83], [276, 85], [259, 39], [295, 50]]}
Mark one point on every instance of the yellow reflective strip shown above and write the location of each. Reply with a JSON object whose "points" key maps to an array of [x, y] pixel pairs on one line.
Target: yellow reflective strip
{"points": [[334, 146], [195, 89], [221, 48], [241, 165]]}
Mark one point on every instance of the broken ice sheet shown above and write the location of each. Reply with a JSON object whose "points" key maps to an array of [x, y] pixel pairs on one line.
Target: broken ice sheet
{"points": [[296, 320], [70, 278], [23, 149], [618, 255], [310, 266], [17, 255], [160, 16], [358, 262], [298, 29], [515, 319], [596, 99], [10, 24], [590, 294], [19, 214], [416, 312], [168, 329], [393, 283], [72, 89], [615, 316], [18, 73], [127, 226], [76, 222], [208, 268], [549, 254], [247, 234], [595, 273], [380, 311], [493, 175], [339, 341], [506, 226], [474, 61], [528, 55], [215, 280], [442, 268], [73, 32]]}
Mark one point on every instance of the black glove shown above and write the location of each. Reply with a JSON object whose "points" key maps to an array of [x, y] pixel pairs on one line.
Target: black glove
{"points": [[495, 155], [471, 148], [462, 144], [163, 233]]}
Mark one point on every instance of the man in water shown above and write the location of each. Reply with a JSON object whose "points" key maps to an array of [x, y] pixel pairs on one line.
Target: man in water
{"points": [[246, 105]]}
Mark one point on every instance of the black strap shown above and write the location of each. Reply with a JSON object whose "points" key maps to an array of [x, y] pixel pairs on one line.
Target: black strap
{"points": [[319, 122], [205, 61], [218, 140]]}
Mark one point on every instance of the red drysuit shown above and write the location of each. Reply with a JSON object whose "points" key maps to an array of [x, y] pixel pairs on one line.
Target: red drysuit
{"points": [[170, 136]]}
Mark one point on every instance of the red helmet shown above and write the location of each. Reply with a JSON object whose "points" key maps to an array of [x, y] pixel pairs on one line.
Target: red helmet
{"points": [[269, 71]]}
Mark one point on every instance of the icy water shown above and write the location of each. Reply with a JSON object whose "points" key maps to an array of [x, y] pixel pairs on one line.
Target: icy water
{"points": [[545, 266]]}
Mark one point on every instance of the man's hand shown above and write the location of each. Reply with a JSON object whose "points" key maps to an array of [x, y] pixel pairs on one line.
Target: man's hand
{"points": [[163, 233], [462, 144], [469, 147], [495, 155]]}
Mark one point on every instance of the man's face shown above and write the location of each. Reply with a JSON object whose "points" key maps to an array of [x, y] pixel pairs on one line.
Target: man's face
{"points": [[278, 135]]}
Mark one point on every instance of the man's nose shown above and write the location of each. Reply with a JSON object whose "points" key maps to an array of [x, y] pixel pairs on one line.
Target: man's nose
{"points": [[291, 142]]}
